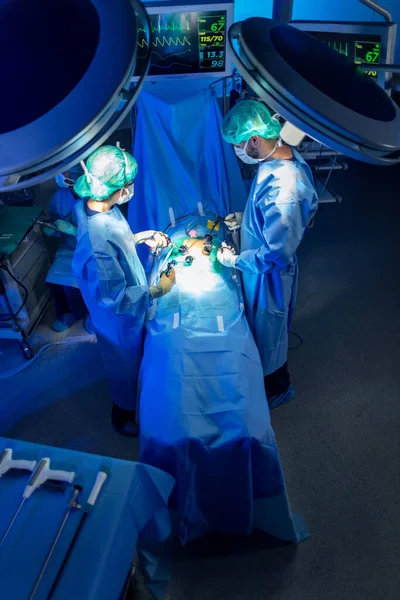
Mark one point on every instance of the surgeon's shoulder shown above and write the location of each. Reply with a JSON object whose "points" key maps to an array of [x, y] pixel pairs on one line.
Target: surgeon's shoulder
{"points": [[279, 178], [61, 201], [104, 240]]}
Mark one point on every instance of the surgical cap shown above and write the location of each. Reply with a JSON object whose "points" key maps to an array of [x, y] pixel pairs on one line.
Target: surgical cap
{"points": [[107, 170], [248, 118]]}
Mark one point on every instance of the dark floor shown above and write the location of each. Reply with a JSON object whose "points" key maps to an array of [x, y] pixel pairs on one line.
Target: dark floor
{"points": [[339, 440]]}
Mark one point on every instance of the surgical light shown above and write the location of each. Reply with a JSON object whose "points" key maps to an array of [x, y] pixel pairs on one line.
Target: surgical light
{"points": [[66, 68], [317, 90]]}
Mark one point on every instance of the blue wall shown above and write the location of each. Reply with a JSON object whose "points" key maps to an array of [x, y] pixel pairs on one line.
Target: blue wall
{"points": [[333, 10], [341, 10]]}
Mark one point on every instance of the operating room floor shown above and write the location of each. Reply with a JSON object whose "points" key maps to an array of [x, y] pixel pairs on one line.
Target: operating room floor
{"points": [[339, 440]]}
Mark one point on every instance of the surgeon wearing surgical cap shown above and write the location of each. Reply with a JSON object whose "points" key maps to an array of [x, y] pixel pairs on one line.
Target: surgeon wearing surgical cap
{"points": [[280, 206], [111, 276], [67, 298]]}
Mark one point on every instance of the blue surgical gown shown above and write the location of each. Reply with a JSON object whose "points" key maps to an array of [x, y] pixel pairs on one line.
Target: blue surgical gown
{"points": [[281, 205], [62, 207], [114, 287]]}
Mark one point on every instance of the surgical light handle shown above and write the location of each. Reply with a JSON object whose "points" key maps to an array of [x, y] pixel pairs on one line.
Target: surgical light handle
{"points": [[42, 473], [98, 484], [7, 462]]}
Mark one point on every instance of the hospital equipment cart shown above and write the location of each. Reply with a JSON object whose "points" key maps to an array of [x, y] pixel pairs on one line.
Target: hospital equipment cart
{"points": [[24, 263]]}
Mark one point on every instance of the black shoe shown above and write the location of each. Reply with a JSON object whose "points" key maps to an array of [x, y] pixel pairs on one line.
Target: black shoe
{"points": [[277, 382], [124, 421], [278, 388]]}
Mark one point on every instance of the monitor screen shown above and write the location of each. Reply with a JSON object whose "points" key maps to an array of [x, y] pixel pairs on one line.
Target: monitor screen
{"points": [[186, 42], [358, 48]]}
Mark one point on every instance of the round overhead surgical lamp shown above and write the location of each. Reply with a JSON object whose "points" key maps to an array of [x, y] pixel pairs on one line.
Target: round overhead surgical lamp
{"points": [[317, 90], [66, 68]]}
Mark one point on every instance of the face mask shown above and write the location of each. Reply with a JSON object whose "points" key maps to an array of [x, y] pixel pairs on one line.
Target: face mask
{"points": [[249, 160], [242, 154], [128, 196], [64, 182]]}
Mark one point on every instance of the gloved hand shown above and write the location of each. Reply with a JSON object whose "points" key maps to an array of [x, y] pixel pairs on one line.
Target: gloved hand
{"points": [[160, 240], [226, 256], [142, 236], [233, 221], [164, 285], [65, 227], [168, 281], [49, 232]]}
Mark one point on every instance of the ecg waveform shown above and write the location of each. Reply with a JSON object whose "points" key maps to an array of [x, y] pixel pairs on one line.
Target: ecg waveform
{"points": [[166, 41], [168, 57], [172, 64], [173, 26], [340, 47]]}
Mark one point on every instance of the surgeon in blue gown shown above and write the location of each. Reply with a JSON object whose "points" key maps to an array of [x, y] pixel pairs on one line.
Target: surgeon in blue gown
{"points": [[281, 204], [111, 276], [67, 298]]}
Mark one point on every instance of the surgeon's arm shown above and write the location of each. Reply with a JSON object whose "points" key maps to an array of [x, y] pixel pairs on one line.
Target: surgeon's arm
{"points": [[66, 224], [110, 287], [284, 223], [53, 214], [60, 227]]}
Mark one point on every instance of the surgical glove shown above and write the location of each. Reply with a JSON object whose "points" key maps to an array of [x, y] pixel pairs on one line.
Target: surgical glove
{"points": [[168, 281], [49, 232], [143, 236], [233, 221], [159, 240], [65, 227], [152, 238], [226, 256], [164, 285]]}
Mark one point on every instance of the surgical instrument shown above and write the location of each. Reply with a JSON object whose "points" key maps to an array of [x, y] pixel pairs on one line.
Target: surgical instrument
{"points": [[170, 266], [41, 474], [194, 224], [71, 504], [100, 479], [207, 249], [152, 237], [216, 222], [187, 262], [46, 224], [7, 462]]}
